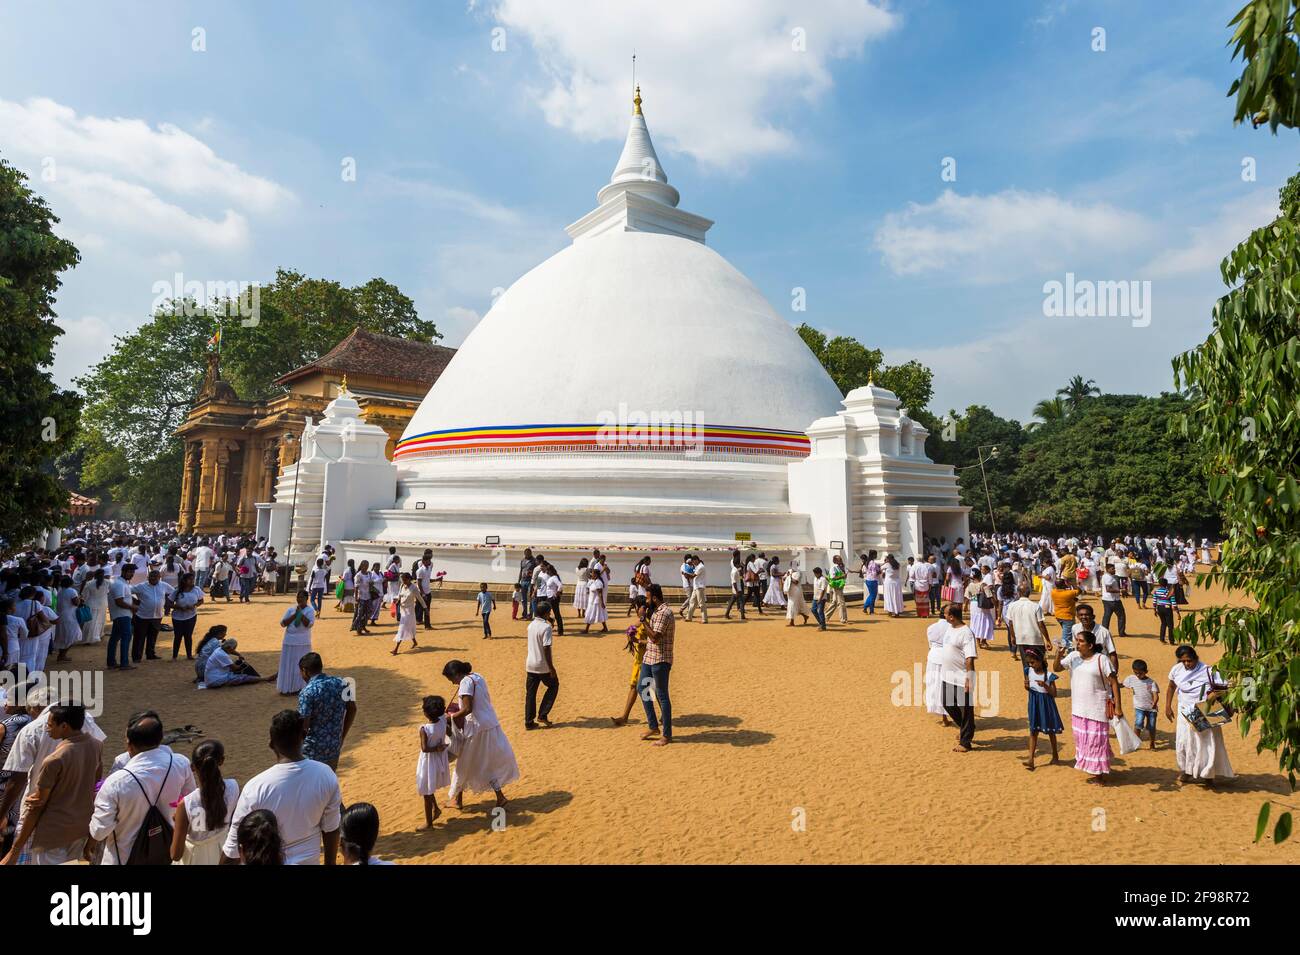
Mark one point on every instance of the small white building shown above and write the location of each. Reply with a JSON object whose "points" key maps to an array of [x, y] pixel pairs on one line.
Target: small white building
{"points": [[633, 393]]}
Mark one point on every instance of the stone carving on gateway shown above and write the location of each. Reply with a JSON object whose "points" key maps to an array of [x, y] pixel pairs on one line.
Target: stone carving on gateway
{"points": [[668, 407]]}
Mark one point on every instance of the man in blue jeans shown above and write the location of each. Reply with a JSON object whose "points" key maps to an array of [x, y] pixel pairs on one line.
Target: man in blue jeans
{"points": [[656, 665], [121, 611]]}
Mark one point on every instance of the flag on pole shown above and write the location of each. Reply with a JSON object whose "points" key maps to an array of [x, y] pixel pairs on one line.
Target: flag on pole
{"points": [[215, 340]]}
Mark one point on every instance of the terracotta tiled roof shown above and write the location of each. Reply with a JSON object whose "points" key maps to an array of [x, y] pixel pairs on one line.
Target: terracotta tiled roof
{"points": [[80, 500], [369, 353]]}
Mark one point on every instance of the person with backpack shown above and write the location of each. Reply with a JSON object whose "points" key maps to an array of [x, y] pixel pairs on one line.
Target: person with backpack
{"points": [[134, 805]]}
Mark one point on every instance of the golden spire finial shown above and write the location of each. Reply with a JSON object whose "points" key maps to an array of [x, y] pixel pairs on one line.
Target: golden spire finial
{"points": [[636, 102], [344, 385]]}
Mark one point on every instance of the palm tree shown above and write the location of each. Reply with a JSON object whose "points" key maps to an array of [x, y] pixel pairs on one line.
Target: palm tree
{"points": [[1077, 392], [1048, 411]]}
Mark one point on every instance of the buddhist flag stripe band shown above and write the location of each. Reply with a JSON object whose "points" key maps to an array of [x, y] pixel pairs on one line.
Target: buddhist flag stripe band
{"points": [[597, 437]]}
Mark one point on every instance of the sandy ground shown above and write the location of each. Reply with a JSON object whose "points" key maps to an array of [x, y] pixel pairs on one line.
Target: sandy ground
{"points": [[790, 747]]}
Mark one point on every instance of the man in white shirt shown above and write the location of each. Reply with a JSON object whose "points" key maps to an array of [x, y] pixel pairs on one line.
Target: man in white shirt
{"points": [[301, 793], [203, 557], [1087, 620], [423, 576], [154, 776], [553, 587], [1025, 622], [151, 602], [692, 569], [1112, 600], [540, 669], [957, 670]]}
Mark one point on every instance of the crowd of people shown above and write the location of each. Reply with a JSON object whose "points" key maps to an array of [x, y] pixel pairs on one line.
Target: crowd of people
{"points": [[990, 583], [58, 805]]}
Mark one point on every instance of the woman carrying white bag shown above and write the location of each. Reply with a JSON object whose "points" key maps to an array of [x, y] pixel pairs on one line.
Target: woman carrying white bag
{"points": [[1198, 745]]}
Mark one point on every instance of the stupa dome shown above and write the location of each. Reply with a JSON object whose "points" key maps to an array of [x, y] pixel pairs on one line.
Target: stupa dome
{"points": [[637, 322]]}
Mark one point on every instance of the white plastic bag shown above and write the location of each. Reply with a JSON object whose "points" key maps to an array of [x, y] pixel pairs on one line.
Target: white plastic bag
{"points": [[1128, 739]]}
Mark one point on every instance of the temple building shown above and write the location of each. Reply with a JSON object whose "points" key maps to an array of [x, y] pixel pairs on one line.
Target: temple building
{"points": [[234, 449], [692, 418]]}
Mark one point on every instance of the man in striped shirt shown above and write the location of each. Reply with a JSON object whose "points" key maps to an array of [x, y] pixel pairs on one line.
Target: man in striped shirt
{"points": [[656, 666]]}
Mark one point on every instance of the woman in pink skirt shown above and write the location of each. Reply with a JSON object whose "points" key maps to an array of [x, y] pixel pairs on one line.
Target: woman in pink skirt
{"points": [[1094, 698]]}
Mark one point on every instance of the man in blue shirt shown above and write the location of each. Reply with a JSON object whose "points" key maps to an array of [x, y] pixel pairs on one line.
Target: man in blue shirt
{"points": [[327, 709]]}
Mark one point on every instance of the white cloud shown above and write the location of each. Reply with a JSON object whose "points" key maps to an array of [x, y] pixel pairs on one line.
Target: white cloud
{"points": [[742, 53], [133, 182], [1206, 245], [995, 238], [137, 209], [166, 157], [444, 197]]}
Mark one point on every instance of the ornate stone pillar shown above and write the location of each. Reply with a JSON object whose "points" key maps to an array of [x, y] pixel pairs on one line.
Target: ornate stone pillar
{"points": [[206, 518], [270, 468], [185, 519]]}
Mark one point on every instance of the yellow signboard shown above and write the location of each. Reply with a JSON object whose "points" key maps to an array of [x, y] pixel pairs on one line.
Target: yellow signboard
{"points": [[743, 536]]}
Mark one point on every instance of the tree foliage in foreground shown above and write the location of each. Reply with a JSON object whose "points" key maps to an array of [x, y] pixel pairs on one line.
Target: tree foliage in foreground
{"points": [[40, 419], [143, 389], [1246, 415], [1268, 90]]}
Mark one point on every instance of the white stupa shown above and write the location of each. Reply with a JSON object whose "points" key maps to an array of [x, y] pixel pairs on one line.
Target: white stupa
{"points": [[635, 392]]}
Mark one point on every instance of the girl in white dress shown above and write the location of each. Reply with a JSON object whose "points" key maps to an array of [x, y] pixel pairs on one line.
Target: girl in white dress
{"points": [[893, 586], [596, 610], [297, 622], [580, 577], [433, 771], [486, 762], [202, 818], [94, 595], [774, 596], [408, 595]]}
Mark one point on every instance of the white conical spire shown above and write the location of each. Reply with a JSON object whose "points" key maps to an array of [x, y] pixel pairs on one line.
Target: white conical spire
{"points": [[638, 197], [638, 169]]}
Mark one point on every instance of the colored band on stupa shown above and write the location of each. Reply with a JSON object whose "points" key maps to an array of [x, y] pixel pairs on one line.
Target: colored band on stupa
{"points": [[672, 437]]}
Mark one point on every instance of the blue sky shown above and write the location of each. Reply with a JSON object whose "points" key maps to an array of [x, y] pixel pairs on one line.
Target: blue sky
{"points": [[480, 130]]}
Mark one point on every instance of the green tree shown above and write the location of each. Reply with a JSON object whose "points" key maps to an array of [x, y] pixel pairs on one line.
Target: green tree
{"points": [[852, 365], [1049, 411], [142, 390], [1246, 382], [1077, 392], [1268, 90], [40, 419], [964, 441], [1114, 467]]}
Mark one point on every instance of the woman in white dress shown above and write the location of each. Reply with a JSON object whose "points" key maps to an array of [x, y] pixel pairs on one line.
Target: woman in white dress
{"points": [[68, 629], [1048, 577], [94, 595], [596, 610], [934, 635], [981, 618], [408, 596], [202, 818], [774, 596], [297, 623], [893, 586], [392, 577], [794, 595], [1200, 754], [580, 577], [486, 762]]}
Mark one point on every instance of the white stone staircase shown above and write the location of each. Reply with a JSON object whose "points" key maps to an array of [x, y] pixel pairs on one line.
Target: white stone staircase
{"points": [[303, 485]]}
